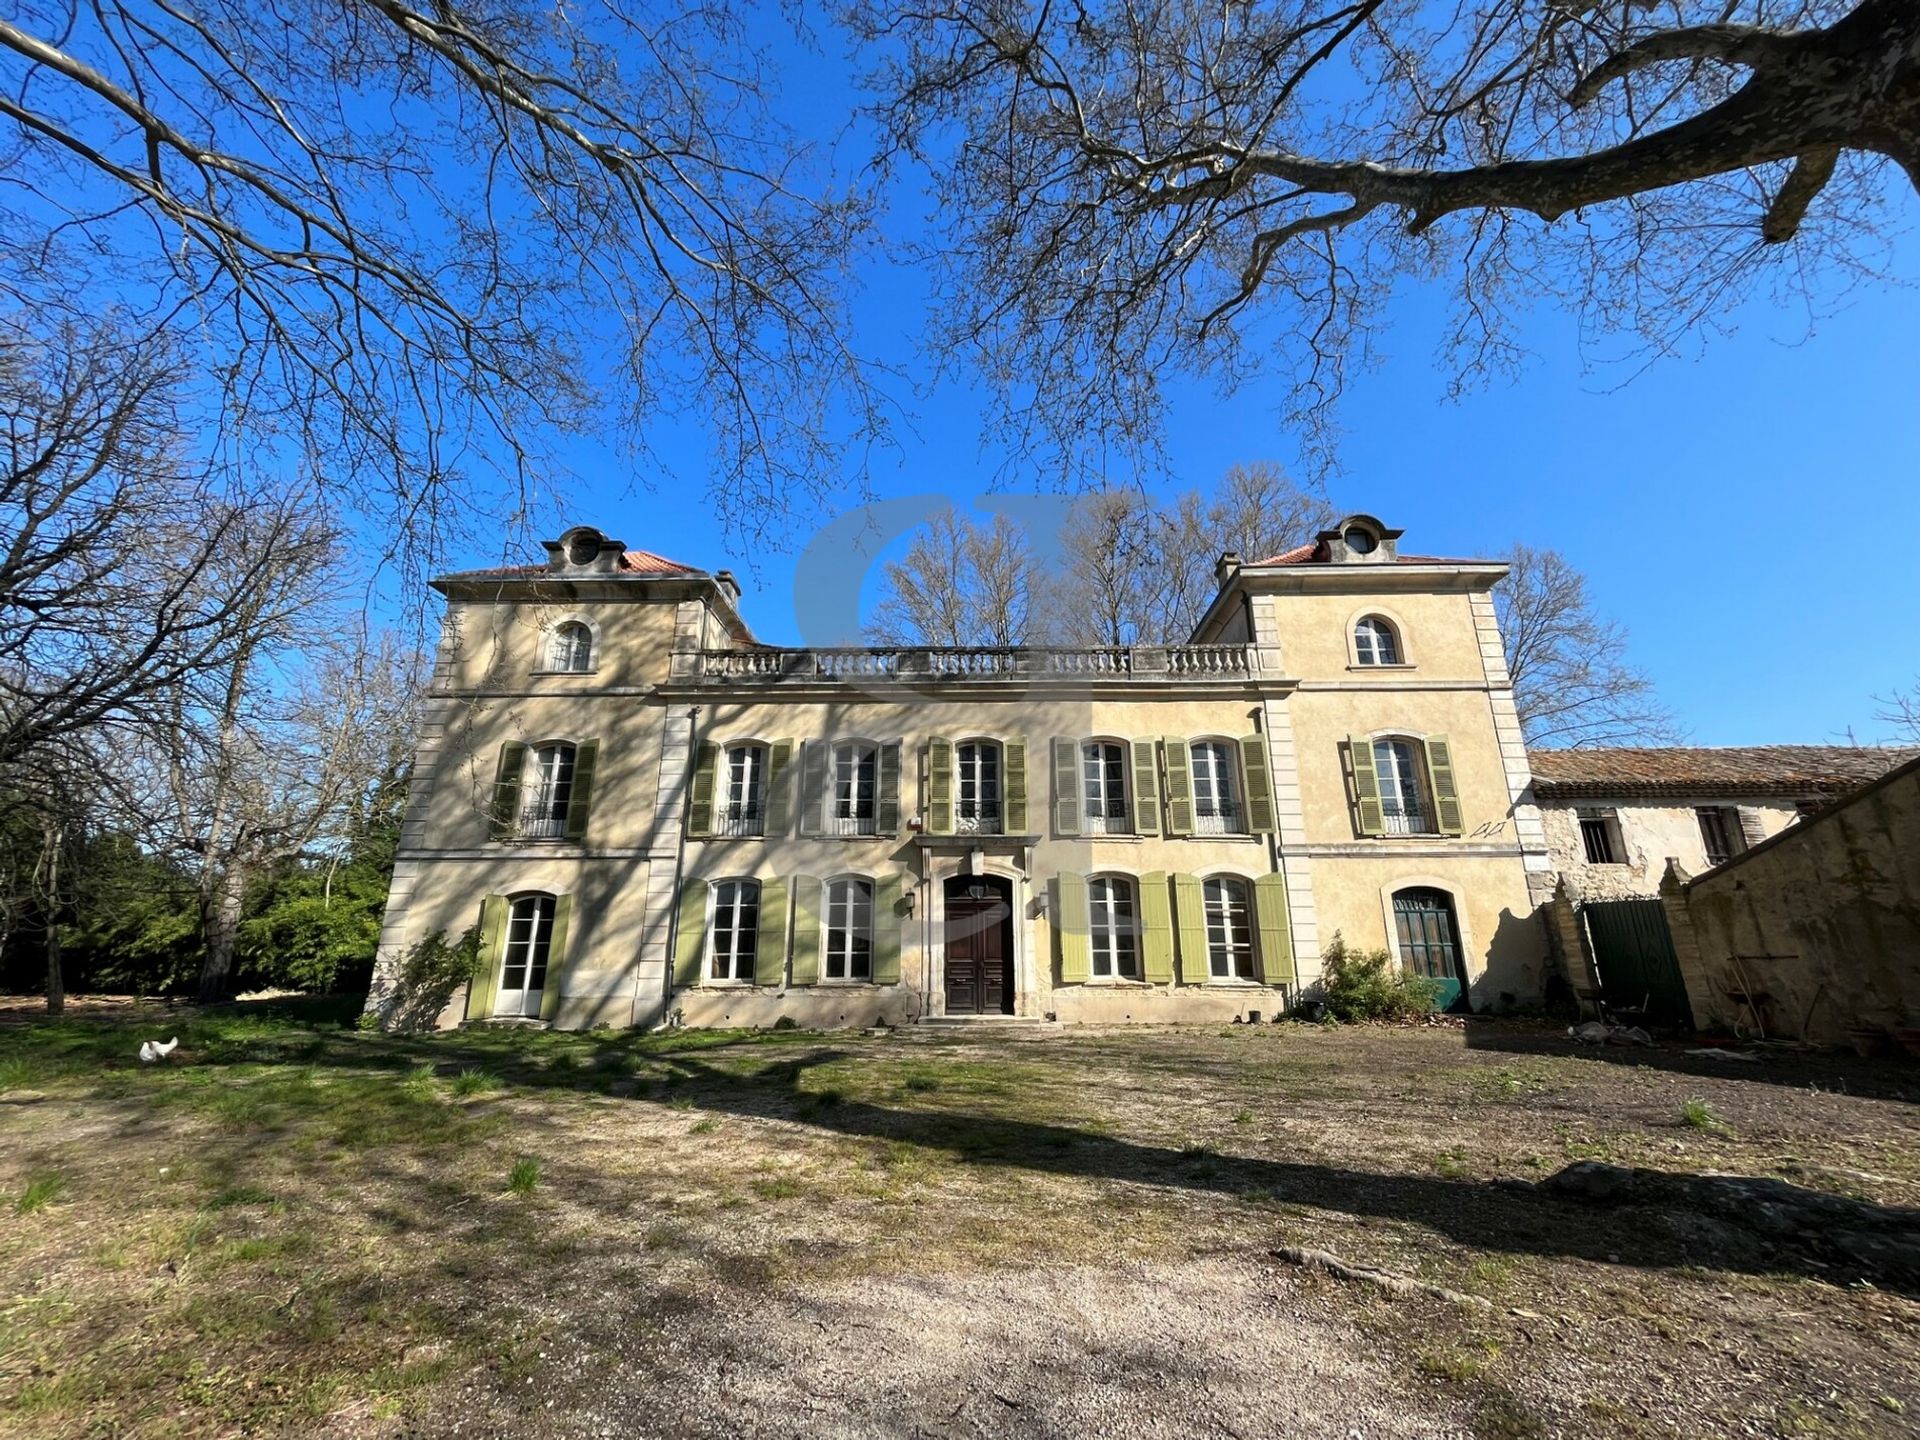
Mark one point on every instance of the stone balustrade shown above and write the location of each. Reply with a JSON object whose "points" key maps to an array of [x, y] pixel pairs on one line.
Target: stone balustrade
{"points": [[977, 662]]}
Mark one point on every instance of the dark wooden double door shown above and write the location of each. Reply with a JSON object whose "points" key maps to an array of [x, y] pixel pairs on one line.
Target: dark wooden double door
{"points": [[979, 945]]}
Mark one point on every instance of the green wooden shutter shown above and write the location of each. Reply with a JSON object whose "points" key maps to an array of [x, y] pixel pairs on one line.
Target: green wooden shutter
{"points": [[780, 788], [1446, 794], [556, 954], [1066, 786], [1370, 820], [1179, 785], [1276, 933], [700, 798], [886, 931], [939, 786], [1070, 928], [1190, 913], [806, 930], [1146, 789], [1014, 791], [770, 946], [1259, 777], [888, 809], [690, 939], [503, 820], [493, 937], [586, 758], [1156, 929], [813, 787]]}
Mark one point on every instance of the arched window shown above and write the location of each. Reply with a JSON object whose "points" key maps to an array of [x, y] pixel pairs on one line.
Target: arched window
{"points": [[849, 927], [1398, 765], [1103, 784], [743, 809], [1229, 907], [1113, 927], [1429, 936], [735, 930], [1216, 790], [855, 788], [1376, 642], [523, 963], [570, 648], [549, 792], [976, 808]]}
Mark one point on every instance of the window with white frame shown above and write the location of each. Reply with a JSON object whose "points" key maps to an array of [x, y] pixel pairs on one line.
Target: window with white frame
{"points": [[976, 809], [1216, 797], [570, 648], [1113, 927], [1398, 765], [849, 924], [1229, 907], [544, 815], [735, 929], [1375, 642], [742, 809], [855, 789], [1103, 784], [523, 964]]}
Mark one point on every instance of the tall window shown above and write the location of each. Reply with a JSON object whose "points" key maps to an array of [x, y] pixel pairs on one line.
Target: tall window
{"points": [[523, 969], [849, 930], [1229, 929], [1716, 834], [570, 648], [1403, 800], [1600, 837], [977, 805], [1112, 926], [545, 815], [1103, 784], [736, 929], [1428, 934], [1216, 801], [855, 782], [1375, 643], [743, 803]]}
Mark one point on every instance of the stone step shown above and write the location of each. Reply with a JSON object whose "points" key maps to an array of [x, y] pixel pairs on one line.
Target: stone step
{"points": [[987, 1022]]}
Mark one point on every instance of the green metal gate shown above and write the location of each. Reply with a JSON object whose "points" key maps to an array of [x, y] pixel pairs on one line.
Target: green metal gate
{"points": [[1633, 951]]}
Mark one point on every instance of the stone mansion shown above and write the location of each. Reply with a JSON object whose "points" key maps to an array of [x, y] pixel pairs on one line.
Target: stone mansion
{"points": [[653, 817]]}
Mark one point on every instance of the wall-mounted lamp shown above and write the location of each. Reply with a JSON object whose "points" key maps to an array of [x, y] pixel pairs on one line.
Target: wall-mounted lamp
{"points": [[911, 897]]}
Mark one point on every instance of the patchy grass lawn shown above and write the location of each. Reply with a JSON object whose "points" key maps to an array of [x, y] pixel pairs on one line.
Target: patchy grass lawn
{"points": [[297, 1228]]}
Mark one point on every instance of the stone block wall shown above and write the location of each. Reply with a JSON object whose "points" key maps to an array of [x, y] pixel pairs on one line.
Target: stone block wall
{"points": [[1815, 933]]}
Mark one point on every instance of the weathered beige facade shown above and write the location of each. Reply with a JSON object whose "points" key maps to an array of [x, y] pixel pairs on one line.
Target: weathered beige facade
{"points": [[1815, 934], [657, 818], [1614, 817]]}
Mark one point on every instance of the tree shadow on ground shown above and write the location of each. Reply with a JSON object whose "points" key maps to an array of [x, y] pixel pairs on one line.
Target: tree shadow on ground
{"points": [[1664, 1220], [1882, 1079]]}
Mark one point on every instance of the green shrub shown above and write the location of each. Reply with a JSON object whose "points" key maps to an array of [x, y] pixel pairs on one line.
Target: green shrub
{"points": [[1367, 985], [524, 1176]]}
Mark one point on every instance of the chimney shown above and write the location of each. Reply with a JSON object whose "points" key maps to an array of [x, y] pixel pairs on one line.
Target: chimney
{"points": [[1227, 567], [729, 586]]}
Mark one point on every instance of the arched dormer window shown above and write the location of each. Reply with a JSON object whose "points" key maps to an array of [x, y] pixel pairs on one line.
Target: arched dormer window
{"points": [[570, 648], [1376, 642]]}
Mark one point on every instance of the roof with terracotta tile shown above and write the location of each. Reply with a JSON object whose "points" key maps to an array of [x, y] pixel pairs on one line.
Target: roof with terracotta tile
{"points": [[1315, 553], [1682, 771], [632, 562]]}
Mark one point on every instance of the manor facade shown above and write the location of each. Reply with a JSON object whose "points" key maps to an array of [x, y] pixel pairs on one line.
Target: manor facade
{"points": [[652, 817]]}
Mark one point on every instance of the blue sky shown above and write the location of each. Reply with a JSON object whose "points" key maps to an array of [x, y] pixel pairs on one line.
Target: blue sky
{"points": [[1745, 509]]}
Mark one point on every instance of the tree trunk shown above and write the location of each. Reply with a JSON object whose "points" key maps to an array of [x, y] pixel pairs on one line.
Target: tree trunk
{"points": [[56, 981], [220, 925]]}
